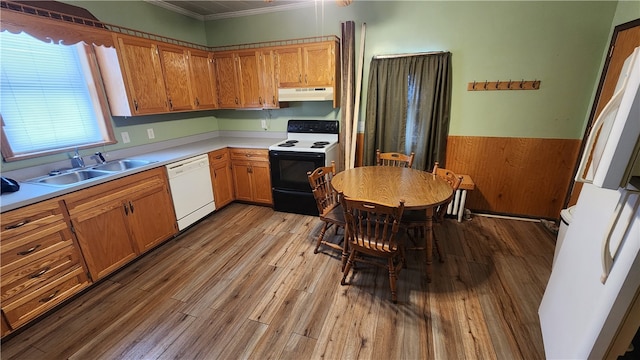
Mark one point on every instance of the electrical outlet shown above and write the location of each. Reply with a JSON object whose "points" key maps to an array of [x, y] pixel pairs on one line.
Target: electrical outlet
{"points": [[264, 124], [125, 137], [150, 133]]}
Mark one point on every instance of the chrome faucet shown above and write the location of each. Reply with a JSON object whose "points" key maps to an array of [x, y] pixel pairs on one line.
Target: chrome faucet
{"points": [[100, 158], [76, 160]]}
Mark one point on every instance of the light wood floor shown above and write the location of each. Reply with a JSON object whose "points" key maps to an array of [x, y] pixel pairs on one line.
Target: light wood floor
{"points": [[244, 283]]}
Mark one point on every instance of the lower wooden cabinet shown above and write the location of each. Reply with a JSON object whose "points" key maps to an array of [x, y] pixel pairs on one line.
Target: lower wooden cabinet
{"points": [[26, 308], [221, 177], [41, 262], [251, 175], [116, 221]]}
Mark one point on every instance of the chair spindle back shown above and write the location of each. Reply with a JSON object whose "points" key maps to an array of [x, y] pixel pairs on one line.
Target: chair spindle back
{"points": [[394, 159]]}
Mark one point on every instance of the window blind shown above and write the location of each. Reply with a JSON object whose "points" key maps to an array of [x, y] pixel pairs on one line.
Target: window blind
{"points": [[45, 100]]}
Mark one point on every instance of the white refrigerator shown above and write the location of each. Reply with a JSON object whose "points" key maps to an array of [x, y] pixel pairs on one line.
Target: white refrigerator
{"points": [[596, 274]]}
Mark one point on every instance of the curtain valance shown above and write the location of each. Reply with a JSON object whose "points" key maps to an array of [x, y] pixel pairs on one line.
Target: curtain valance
{"points": [[54, 27]]}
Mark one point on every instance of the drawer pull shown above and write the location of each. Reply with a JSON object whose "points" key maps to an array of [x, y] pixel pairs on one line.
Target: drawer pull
{"points": [[39, 273], [15, 226], [50, 297], [218, 157], [131, 206], [29, 251], [126, 209]]}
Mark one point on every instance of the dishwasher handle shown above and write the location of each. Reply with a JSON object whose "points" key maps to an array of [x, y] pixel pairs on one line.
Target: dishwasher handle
{"points": [[185, 166]]}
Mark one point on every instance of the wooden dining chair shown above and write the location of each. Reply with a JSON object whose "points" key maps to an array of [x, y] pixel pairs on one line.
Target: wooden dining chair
{"points": [[372, 229], [416, 220], [394, 159], [329, 207]]}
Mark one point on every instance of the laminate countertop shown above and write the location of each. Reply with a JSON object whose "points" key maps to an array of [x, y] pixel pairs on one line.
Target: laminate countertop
{"points": [[30, 193]]}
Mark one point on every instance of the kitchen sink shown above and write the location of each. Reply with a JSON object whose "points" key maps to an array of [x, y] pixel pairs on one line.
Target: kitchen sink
{"points": [[69, 178], [122, 165], [74, 176]]}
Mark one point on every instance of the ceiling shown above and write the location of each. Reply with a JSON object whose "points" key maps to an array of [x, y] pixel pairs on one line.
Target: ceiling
{"points": [[212, 10]]}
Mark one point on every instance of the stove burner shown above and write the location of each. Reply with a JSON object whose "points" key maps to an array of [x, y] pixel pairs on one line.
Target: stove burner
{"points": [[291, 141], [287, 144], [316, 146], [321, 143]]}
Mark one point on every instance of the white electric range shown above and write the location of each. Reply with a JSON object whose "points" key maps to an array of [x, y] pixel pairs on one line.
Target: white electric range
{"points": [[310, 144]]}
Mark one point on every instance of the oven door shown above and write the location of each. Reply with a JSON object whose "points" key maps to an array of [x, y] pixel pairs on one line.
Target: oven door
{"points": [[289, 169]]}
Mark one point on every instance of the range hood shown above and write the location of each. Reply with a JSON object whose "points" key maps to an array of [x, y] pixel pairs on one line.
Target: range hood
{"points": [[306, 94]]}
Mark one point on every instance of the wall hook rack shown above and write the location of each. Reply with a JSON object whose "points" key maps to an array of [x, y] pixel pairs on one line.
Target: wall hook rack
{"points": [[504, 85]]}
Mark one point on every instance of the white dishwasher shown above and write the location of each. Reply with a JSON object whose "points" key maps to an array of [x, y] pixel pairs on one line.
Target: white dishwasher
{"points": [[191, 189]]}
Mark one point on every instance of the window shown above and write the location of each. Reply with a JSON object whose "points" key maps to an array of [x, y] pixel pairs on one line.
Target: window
{"points": [[408, 106], [49, 100]]}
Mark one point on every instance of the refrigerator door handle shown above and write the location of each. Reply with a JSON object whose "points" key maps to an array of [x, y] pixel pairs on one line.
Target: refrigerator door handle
{"points": [[595, 135], [607, 257]]}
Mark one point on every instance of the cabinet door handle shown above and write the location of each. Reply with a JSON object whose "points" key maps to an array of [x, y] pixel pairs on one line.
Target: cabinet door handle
{"points": [[260, 100], [16, 225], [48, 298], [126, 209], [39, 273], [131, 206], [135, 104], [236, 100], [29, 251], [170, 105], [299, 78], [273, 100], [305, 79]]}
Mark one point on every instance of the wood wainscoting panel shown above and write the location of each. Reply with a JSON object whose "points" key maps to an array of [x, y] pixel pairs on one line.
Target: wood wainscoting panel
{"points": [[516, 176]]}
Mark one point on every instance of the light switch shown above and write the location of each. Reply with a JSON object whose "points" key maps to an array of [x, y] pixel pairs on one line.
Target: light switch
{"points": [[150, 133], [125, 137]]}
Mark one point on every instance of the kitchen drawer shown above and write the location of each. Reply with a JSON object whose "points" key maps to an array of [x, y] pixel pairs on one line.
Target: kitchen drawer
{"points": [[249, 154], [18, 251], [39, 272], [33, 217], [21, 310], [219, 156]]}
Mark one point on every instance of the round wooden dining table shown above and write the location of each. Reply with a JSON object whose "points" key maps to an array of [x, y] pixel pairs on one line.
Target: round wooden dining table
{"points": [[420, 190]]}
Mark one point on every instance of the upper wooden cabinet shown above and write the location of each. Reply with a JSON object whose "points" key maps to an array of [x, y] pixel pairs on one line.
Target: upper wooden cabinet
{"points": [[177, 79], [307, 65], [203, 80], [143, 77], [146, 76], [240, 81], [248, 79], [226, 77], [268, 89], [289, 65]]}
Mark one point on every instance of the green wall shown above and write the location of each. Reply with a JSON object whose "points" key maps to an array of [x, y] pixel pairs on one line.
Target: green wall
{"points": [[143, 16], [560, 43]]}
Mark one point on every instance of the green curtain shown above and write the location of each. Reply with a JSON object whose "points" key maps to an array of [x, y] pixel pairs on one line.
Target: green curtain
{"points": [[408, 107]]}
